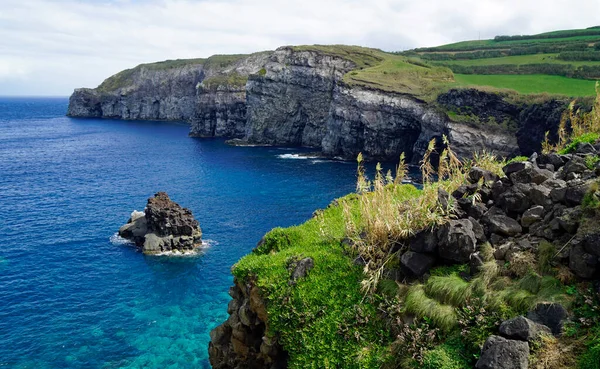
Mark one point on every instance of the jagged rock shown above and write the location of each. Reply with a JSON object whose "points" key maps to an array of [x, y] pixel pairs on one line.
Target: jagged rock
{"points": [[532, 215], [531, 175], [475, 263], [500, 353], [443, 198], [569, 219], [164, 226], [551, 315], [300, 269], [498, 222], [586, 148], [540, 195], [424, 242], [575, 165], [551, 159], [521, 328], [475, 174], [516, 199], [583, 264], [574, 194], [478, 230], [456, 240], [417, 264], [516, 167], [499, 187]]}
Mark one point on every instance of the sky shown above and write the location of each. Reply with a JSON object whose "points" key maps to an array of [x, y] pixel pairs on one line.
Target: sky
{"points": [[50, 47]]}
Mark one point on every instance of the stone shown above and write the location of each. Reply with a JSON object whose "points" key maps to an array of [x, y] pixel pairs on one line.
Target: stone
{"points": [[569, 219], [575, 165], [532, 215], [475, 263], [574, 194], [163, 226], [443, 198], [417, 264], [551, 159], [499, 187], [516, 167], [516, 199], [582, 263], [456, 240], [424, 242], [531, 175], [540, 195], [521, 328], [501, 353], [476, 174], [502, 224], [478, 230], [552, 315], [586, 148], [501, 251], [301, 269]]}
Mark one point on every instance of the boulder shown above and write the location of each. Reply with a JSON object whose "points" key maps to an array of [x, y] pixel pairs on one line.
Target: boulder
{"points": [[416, 263], [576, 165], [424, 241], [532, 215], [531, 175], [456, 240], [552, 315], [516, 167], [521, 328], [476, 174], [516, 199], [540, 195], [586, 148], [574, 194], [501, 353], [501, 224], [551, 159], [163, 226], [582, 263], [300, 269]]}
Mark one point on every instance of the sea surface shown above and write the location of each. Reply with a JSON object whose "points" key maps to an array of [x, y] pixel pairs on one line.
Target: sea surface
{"points": [[72, 294]]}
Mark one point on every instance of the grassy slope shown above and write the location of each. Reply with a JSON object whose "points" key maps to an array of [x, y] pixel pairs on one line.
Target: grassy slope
{"points": [[526, 84], [387, 72], [529, 84], [125, 78]]}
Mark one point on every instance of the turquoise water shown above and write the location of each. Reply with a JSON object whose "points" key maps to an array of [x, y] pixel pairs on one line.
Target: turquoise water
{"points": [[71, 294]]}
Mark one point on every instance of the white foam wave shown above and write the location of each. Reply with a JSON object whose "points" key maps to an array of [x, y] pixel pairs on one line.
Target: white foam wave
{"points": [[117, 240], [297, 156]]}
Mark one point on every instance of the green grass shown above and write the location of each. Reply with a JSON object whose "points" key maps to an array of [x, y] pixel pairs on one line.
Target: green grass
{"points": [[529, 84], [520, 60], [317, 319], [575, 141]]}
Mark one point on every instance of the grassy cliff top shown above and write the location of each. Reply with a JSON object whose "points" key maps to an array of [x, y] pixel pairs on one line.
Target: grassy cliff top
{"points": [[125, 77]]}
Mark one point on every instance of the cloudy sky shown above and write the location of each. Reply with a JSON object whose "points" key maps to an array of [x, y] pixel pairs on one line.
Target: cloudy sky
{"points": [[50, 47]]}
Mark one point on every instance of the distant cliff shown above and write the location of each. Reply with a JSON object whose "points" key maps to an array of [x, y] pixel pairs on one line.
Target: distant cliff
{"points": [[323, 97]]}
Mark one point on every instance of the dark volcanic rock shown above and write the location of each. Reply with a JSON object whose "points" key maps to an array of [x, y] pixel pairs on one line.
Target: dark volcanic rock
{"points": [[300, 269], [521, 328], [500, 353], [164, 226], [417, 264], [457, 240], [549, 314]]}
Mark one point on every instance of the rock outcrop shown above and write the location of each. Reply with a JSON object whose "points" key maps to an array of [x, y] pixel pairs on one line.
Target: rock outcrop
{"points": [[164, 226], [297, 96]]}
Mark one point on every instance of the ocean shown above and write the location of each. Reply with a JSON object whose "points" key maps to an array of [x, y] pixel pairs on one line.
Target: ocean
{"points": [[72, 294]]}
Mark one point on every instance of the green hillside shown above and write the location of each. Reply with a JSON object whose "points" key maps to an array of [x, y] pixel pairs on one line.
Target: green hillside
{"points": [[563, 62]]}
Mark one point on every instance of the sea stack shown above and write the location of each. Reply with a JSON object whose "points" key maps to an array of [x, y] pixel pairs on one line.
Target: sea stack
{"points": [[164, 226]]}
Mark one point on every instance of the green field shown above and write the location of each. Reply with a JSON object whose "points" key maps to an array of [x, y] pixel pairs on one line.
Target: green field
{"points": [[521, 59], [530, 84]]}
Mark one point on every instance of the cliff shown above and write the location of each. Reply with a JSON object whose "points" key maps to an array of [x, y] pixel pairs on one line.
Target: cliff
{"points": [[340, 100], [496, 266], [208, 93]]}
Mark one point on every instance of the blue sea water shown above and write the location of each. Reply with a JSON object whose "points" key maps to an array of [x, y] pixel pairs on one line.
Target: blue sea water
{"points": [[71, 294]]}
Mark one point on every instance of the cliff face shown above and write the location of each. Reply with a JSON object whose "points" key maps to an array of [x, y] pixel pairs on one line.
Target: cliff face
{"points": [[298, 97], [208, 93], [290, 103]]}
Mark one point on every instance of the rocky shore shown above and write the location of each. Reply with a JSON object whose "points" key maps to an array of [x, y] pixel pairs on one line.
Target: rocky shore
{"points": [[164, 226], [541, 201]]}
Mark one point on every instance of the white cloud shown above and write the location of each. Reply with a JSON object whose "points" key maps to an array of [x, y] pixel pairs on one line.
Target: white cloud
{"points": [[51, 47]]}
